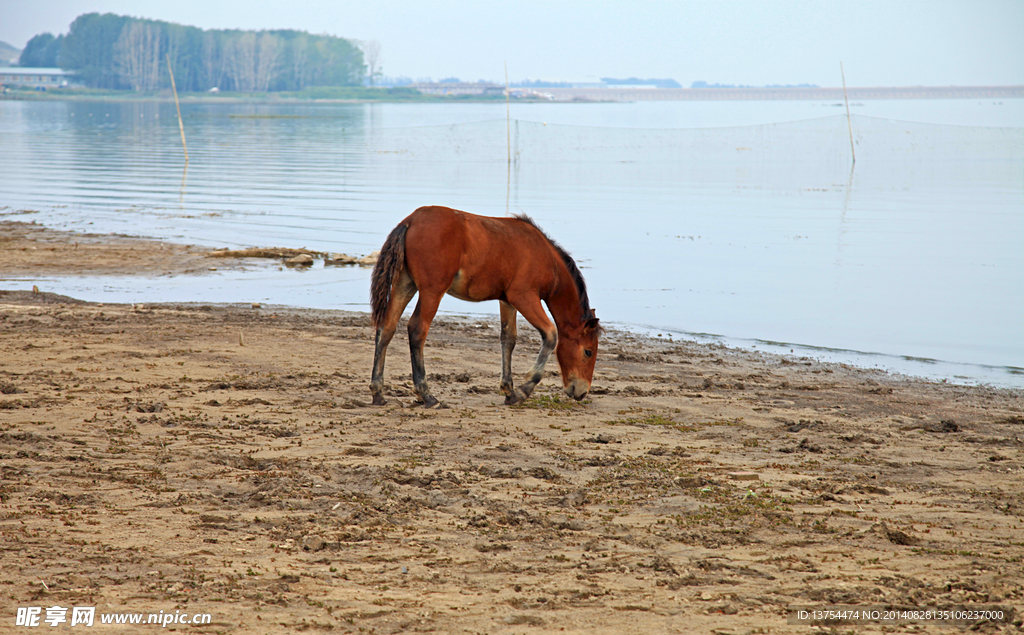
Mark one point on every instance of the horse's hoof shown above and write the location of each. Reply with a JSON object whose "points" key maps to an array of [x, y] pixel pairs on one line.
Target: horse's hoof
{"points": [[430, 402], [515, 398], [378, 400]]}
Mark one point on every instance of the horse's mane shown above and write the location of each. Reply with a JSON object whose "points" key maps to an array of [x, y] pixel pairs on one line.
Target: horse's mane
{"points": [[570, 264]]}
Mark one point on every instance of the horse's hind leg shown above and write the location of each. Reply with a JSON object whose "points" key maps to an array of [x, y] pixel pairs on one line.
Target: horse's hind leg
{"points": [[419, 326], [508, 344], [403, 292]]}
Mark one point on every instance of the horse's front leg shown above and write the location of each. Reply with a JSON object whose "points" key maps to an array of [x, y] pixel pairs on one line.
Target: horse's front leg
{"points": [[534, 313], [548, 341], [419, 326], [508, 344]]}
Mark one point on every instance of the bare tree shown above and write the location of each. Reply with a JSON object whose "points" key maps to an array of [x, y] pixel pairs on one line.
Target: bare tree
{"points": [[371, 54], [213, 59], [137, 55], [300, 55], [267, 52], [251, 61], [240, 61]]}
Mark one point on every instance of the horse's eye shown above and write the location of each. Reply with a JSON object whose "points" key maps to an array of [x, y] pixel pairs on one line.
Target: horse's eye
{"points": [[588, 352]]}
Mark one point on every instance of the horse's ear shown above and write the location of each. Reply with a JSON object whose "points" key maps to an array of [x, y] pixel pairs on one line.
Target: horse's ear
{"points": [[592, 324]]}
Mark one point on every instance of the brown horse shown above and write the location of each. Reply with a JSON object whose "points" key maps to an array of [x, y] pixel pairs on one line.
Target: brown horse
{"points": [[437, 250]]}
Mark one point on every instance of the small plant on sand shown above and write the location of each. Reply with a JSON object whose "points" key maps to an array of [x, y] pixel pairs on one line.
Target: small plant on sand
{"points": [[653, 419], [552, 402]]}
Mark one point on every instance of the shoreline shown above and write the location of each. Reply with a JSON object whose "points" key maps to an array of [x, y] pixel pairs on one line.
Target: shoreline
{"points": [[914, 368], [564, 95]]}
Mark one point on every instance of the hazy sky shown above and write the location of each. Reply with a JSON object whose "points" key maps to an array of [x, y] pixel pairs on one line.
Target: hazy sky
{"points": [[756, 42]]}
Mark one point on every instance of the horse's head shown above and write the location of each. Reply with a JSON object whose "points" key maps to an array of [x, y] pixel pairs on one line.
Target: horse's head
{"points": [[576, 353]]}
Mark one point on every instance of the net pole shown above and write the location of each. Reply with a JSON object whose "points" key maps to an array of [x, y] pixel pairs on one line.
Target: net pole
{"points": [[508, 118], [181, 126], [849, 124], [508, 143]]}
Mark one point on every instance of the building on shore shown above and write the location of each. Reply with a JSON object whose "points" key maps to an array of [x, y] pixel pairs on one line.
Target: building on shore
{"points": [[37, 78], [458, 88]]}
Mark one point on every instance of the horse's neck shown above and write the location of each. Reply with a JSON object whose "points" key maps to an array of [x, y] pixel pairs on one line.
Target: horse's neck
{"points": [[564, 304]]}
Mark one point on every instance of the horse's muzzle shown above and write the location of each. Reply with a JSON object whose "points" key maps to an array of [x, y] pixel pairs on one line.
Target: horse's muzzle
{"points": [[577, 389]]}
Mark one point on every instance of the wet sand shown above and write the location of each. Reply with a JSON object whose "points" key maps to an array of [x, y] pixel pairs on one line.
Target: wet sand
{"points": [[224, 460]]}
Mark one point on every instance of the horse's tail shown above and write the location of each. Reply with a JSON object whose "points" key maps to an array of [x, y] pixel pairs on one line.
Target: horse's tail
{"points": [[390, 264]]}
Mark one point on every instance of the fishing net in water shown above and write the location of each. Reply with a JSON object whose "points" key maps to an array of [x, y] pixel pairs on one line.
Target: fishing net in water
{"points": [[827, 138], [812, 153]]}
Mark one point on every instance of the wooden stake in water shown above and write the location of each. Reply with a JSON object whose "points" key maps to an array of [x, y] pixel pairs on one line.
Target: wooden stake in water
{"points": [[508, 143], [181, 126], [848, 123], [508, 118]]}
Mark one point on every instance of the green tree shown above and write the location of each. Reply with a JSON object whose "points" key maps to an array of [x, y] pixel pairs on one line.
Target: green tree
{"points": [[337, 62], [88, 49], [42, 51], [112, 51]]}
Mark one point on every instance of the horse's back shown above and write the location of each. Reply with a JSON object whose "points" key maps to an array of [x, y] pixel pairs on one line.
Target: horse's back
{"points": [[482, 238], [475, 257]]}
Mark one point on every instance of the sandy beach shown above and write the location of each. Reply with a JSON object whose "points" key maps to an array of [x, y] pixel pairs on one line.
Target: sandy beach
{"points": [[225, 460]]}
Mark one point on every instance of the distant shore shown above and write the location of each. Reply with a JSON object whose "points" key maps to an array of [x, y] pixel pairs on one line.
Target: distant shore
{"points": [[362, 95], [785, 93]]}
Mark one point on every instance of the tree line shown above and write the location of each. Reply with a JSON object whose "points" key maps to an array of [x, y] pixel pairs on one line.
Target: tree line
{"points": [[121, 52]]}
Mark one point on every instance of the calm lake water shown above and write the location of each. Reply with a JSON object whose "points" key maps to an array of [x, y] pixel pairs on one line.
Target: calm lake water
{"points": [[746, 221]]}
